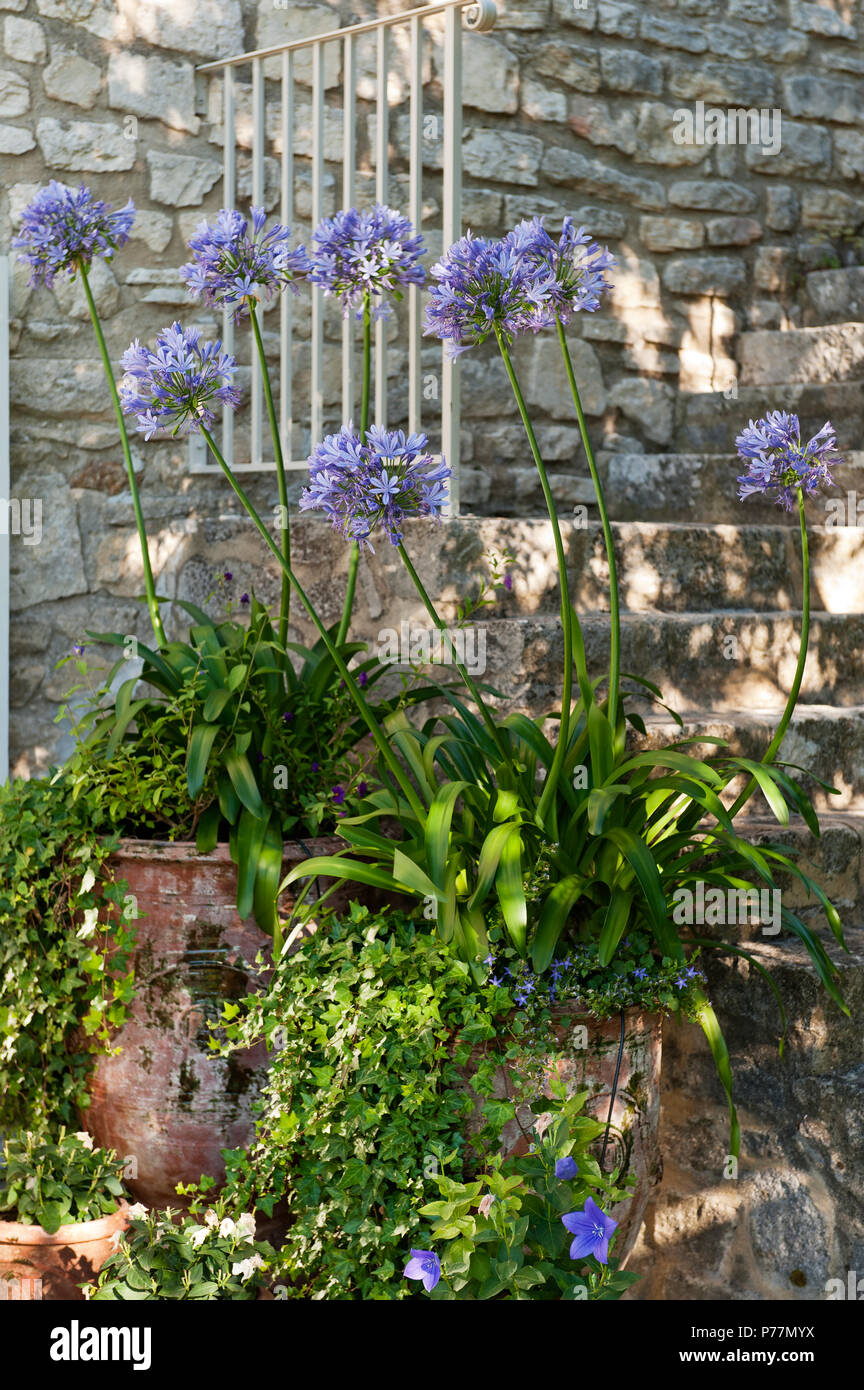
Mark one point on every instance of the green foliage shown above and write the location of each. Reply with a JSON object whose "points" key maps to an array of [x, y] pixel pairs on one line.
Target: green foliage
{"points": [[170, 1255], [66, 933], [54, 1183], [502, 1234], [375, 1026], [220, 738]]}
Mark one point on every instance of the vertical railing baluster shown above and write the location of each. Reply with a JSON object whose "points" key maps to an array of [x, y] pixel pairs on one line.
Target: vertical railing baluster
{"points": [[286, 322], [229, 174], [349, 159], [415, 179], [382, 153], [316, 413], [452, 220], [258, 139]]}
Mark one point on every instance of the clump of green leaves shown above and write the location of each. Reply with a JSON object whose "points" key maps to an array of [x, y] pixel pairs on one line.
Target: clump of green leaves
{"points": [[383, 1077], [66, 933], [58, 1182], [502, 1236], [170, 1255]]}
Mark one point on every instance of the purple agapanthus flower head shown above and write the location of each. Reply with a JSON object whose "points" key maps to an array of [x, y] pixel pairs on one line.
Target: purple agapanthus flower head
{"points": [[233, 263], [485, 287], [375, 253], [64, 228], [424, 1265], [566, 1168], [362, 486], [779, 463], [592, 1229], [176, 387], [576, 267]]}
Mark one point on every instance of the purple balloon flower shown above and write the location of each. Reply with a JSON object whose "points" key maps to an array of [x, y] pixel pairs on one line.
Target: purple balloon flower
{"points": [[63, 229], [575, 267], [592, 1229], [424, 1265], [779, 463], [482, 286], [175, 387], [374, 253], [566, 1168], [232, 265], [379, 483]]}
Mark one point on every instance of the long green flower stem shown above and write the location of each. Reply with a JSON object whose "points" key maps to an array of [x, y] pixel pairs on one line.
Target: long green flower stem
{"points": [[149, 586], [442, 627], [566, 610], [281, 483], [354, 557], [350, 684], [774, 745], [614, 610]]}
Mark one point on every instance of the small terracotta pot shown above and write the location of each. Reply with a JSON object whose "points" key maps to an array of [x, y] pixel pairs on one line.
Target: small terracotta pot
{"points": [[166, 1103], [588, 1062], [35, 1265]]}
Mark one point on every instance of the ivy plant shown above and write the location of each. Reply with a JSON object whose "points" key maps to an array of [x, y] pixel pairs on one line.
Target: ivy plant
{"points": [[66, 933]]}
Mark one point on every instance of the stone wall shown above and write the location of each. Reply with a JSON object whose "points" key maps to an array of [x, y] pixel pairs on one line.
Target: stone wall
{"points": [[569, 107]]}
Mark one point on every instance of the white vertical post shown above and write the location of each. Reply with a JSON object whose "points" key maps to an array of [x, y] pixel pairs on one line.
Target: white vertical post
{"points": [[256, 405], [286, 424], [349, 159], [452, 219], [5, 522], [228, 186], [415, 182], [382, 153], [316, 414]]}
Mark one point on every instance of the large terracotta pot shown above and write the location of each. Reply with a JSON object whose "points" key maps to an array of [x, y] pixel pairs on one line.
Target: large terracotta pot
{"points": [[166, 1103], [36, 1265], [633, 1143]]}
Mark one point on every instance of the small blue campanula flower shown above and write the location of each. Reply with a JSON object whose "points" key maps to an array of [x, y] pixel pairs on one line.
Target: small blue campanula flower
{"points": [[379, 483], [485, 286], [424, 1265], [176, 387], [374, 253], [566, 1168], [63, 229], [232, 265], [591, 1228], [576, 268], [779, 463]]}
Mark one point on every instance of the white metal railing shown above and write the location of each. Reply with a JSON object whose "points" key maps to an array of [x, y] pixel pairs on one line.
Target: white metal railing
{"points": [[478, 15]]}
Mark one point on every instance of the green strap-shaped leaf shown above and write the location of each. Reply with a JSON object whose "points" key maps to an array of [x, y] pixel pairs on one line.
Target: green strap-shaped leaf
{"points": [[556, 910], [490, 856], [216, 702], [406, 871], [642, 862], [600, 802], [250, 838], [438, 823], [200, 746], [207, 832], [243, 781], [720, 1052], [511, 891], [265, 896], [614, 924], [335, 866]]}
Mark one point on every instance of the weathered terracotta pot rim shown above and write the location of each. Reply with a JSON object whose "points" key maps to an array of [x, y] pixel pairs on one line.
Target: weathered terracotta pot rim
{"points": [[79, 1233], [186, 851]]}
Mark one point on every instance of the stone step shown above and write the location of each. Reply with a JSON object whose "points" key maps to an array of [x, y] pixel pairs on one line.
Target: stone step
{"points": [[835, 861], [828, 741], [708, 422], [721, 661], [701, 487], [831, 353], [835, 296]]}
